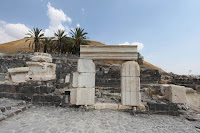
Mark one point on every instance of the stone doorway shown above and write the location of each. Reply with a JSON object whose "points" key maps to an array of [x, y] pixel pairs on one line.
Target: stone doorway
{"points": [[84, 78]]}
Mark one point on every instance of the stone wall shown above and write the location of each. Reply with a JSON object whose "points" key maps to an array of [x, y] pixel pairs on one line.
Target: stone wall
{"points": [[36, 92], [188, 81], [150, 76]]}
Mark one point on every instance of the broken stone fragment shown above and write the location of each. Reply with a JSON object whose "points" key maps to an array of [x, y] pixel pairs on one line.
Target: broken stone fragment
{"points": [[41, 57], [18, 75]]}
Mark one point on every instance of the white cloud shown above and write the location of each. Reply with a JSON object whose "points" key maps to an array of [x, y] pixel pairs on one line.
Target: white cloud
{"points": [[140, 45], [57, 18], [10, 32], [83, 11], [78, 25]]}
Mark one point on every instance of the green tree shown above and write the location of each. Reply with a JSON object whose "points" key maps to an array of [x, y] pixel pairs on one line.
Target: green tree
{"points": [[60, 36], [79, 37], [48, 45], [35, 34]]}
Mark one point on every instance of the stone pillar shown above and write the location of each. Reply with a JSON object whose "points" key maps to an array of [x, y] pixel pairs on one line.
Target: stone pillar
{"points": [[130, 84], [84, 83]]}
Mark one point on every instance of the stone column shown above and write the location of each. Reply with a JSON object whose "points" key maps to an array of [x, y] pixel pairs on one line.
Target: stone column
{"points": [[130, 84], [84, 83]]}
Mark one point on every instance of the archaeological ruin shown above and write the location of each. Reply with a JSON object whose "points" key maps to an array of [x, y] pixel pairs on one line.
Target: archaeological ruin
{"points": [[103, 77]]}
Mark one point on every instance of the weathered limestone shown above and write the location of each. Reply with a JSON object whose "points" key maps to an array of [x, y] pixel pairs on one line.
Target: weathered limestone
{"points": [[130, 69], [132, 98], [180, 94], [130, 84], [109, 52], [41, 57], [141, 107], [84, 82], [73, 96], [85, 96], [67, 78], [41, 71], [75, 80], [86, 66], [177, 94], [112, 106], [18, 75], [124, 107], [41, 68]]}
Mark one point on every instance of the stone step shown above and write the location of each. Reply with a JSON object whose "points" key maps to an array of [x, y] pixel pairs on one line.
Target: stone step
{"points": [[111, 106], [10, 107], [105, 100], [113, 96]]}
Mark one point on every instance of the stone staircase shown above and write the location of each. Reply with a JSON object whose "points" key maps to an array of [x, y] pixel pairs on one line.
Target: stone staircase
{"points": [[10, 107]]}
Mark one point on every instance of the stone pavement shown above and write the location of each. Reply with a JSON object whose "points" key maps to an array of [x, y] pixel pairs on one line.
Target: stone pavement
{"points": [[62, 120]]}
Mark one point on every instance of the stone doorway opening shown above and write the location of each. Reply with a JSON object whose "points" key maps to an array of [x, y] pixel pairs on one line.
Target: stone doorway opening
{"points": [[107, 83]]}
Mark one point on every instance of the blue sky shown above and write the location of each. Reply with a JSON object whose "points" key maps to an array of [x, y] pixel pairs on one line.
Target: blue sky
{"points": [[168, 30]]}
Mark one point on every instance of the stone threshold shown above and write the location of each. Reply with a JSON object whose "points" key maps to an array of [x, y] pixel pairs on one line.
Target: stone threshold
{"points": [[109, 106]]}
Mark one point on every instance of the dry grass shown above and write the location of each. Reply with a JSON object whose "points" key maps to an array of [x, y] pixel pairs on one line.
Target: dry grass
{"points": [[15, 46], [21, 45], [148, 65]]}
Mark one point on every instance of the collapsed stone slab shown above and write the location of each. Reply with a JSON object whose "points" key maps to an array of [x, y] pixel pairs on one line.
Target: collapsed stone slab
{"points": [[18, 75], [177, 94], [41, 57]]}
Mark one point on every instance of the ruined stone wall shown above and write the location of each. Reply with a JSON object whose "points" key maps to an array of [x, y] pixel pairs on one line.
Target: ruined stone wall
{"points": [[64, 65], [150, 76], [36, 92], [188, 81], [13, 61]]}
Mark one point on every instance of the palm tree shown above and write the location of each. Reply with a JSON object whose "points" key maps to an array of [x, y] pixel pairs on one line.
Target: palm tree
{"points": [[37, 35], [48, 45], [60, 36], [79, 37], [68, 45]]}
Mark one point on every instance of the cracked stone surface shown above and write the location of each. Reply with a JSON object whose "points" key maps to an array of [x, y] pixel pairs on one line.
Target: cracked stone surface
{"points": [[62, 120]]}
